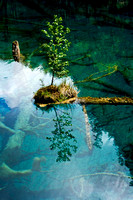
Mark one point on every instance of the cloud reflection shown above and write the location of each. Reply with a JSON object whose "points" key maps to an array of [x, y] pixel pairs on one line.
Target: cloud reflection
{"points": [[18, 82]]}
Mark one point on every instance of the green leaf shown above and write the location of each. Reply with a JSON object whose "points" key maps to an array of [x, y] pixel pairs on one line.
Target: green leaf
{"points": [[57, 46]]}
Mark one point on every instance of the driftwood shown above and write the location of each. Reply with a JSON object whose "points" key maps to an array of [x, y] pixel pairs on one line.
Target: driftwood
{"points": [[94, 100]]}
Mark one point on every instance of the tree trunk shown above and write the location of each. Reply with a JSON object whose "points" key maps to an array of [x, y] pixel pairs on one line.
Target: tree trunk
{"points": [[16, 51], [95, 100], [105, 100]]}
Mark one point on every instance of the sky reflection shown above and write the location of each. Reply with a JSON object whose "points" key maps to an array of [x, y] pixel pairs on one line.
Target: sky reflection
{"points": [[18, 82]]}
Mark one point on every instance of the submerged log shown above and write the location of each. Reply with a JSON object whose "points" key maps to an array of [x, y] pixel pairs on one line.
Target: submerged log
{"points": [[7, 173], [88, 128], [94, 100]]}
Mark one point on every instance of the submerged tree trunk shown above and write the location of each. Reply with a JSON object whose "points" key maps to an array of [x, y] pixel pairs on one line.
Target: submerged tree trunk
{"points": [[88, 129]]}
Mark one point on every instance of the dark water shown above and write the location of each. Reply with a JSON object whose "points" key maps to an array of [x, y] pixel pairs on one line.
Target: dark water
{"points": [[89, 162]]}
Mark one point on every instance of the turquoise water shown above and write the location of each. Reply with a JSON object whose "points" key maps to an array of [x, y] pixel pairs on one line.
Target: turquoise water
{"points": [[65, 157]]}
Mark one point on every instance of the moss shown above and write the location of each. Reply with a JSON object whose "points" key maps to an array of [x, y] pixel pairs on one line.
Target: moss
{"points": [[54, 94]]}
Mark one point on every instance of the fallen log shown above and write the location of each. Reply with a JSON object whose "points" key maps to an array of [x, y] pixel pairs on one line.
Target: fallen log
{"points": [[94, 100], [105, 100]]}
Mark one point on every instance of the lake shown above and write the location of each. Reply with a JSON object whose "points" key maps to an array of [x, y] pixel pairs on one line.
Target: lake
{"points": [[66, 151]]}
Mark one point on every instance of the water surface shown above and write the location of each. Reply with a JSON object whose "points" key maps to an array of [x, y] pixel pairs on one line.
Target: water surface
{"points": [[82, 161]]}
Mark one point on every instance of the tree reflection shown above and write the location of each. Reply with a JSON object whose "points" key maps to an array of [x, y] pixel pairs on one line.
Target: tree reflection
{"points": [[62, 140]]}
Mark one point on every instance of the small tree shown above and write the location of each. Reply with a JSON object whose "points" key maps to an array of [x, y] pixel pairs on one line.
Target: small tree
{"points": [[57, 47]]}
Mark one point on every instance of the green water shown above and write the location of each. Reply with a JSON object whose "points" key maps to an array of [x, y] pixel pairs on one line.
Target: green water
{"points": [[77, 166]]}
